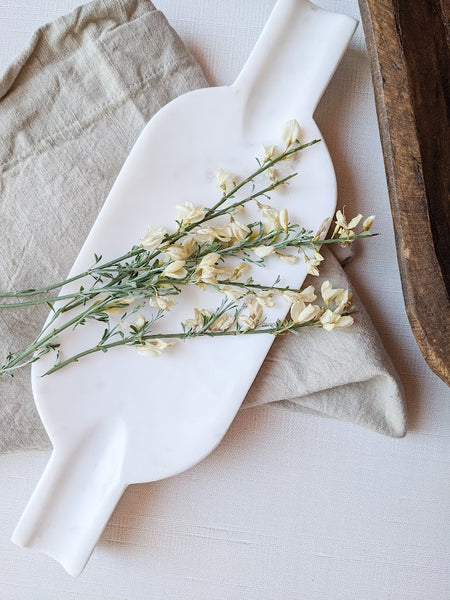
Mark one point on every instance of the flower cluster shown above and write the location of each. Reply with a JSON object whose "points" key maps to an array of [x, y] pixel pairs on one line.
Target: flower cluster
{"points": [[346, 231], [208, 247]]}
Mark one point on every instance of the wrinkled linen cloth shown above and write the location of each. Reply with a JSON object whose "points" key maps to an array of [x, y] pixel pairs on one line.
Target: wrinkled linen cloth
{"points": [[71, 107]]}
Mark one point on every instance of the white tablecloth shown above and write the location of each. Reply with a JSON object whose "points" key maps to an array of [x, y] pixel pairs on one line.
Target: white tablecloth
{"points": [[289, 506]]}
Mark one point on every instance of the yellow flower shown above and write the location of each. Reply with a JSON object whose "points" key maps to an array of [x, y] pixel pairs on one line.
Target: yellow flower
{"points": [[291, 132], [189, 245], [255, 308], [329, 320], [265, 298], [323, 229], [340, 296], [317, 255], [238, 271], [153, 347], [162, 302], [329, 293], [119, 305], [306, 295], [222, 323], [263, 251], [313, 262], [209, 234], [273, 175], [209, 260], [223, 233], [176, 252], [225, 180], [270, 218], [287, 258], [140, 322], [187, 213], [153, 238], [247, 322], [197, 321], [207, 272], [270, 152], [175, 270], [232, 293], [284, 219], [311, 266], [302, 313], [207, 275], [204, 234], [239, 231], [344, 229]]}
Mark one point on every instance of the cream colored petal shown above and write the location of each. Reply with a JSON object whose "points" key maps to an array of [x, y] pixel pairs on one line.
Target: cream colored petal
{"points": [[354, 222], [239, 231], [291, 132], [345, 321], [284, 219], [296, 309], [246, 322], [140, 322], [232, 293], [270, 152], [176, 252], [307, 314], [311, 268], [290, 259], [341, 220], [153, 238], [241, 268], [209, 260], [263, 251], [225, 180]]}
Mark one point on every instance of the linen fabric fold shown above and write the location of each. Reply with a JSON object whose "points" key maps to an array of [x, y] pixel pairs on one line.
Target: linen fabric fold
{"points": [[71, 107]]}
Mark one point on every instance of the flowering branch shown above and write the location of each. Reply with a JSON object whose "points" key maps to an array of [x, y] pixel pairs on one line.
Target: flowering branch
{"points": [[195, 253]]}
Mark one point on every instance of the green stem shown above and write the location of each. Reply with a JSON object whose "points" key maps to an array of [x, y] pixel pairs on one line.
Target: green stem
{"points": [[41, 342], [263, 192], [131, 341], [33, 292], [266, 165], [257, 286]]}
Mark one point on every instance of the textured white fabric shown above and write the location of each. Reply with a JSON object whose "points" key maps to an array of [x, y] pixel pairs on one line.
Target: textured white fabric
{"points": [[289, 506]]}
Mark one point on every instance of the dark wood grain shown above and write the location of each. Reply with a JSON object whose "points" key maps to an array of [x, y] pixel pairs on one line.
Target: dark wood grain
{"points": [[408, 45]]}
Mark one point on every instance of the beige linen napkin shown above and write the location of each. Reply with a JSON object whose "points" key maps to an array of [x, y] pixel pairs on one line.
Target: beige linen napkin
{"points": [[71, 107]]}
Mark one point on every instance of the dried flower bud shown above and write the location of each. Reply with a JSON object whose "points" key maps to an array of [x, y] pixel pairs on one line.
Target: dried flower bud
{"points": [[368, 223], [284, 219], [291, 132], [239, 231], [187, 213], [263, 251], [162, 302], [290, 259], [270, 152], [302, 313], [225, 180], [153, 238], [153, 348], [175, 270]]}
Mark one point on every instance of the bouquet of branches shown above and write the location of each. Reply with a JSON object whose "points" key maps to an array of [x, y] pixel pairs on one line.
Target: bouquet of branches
{"points": [[198, 252]]}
